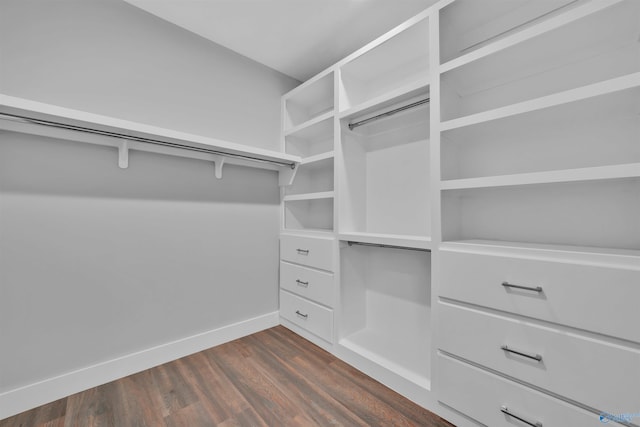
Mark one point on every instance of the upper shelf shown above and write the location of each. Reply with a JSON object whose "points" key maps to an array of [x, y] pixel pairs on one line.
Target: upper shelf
{"points": [[566, 30], [467, 26], [631, 170], [400, 60], [308, 101], [28, 116], [557, 99]]}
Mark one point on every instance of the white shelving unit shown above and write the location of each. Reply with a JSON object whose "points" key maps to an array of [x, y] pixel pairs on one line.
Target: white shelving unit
{"points": [[308, 131], [540, 185], [523, 167], [383, 157]]}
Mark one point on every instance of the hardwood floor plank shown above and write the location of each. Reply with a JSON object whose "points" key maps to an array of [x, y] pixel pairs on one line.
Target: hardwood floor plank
{"points": [[318, 403], [270, 404], [271, 378]]}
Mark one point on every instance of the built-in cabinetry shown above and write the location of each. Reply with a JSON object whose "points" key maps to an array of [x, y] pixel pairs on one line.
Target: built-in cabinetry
{"points": [[540, 200], [479, 169]]}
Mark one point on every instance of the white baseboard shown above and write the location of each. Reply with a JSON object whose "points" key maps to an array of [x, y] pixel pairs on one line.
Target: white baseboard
{"points": [[33, 395]]}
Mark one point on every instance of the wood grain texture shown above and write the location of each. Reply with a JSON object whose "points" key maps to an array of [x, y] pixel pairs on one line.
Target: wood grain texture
{"points": [[272, 378]]}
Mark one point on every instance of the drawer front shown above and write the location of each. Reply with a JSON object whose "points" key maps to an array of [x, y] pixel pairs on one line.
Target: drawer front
{"points": [[312, 284], [310, 251], [583, 369], [582, 296], [306, 314], [481, 396]]}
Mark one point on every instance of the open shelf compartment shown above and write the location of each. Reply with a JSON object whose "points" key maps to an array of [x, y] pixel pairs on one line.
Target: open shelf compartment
{"points": [[469, 25], [313, 214], [312, 178], [308, 101], [589, 133], [311, 140], [385, 175], [386, 309], [591, 213], [598, 46], [401, 60]]}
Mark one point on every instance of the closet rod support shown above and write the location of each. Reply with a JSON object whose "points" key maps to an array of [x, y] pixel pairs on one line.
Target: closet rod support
{"points": [[123, 154], [389, 113], [380, 245], [218, 162], [24, 119]]}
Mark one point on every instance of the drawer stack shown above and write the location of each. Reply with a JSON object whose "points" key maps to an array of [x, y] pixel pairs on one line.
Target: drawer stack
{"points": [[307, 286], [565, 328]]}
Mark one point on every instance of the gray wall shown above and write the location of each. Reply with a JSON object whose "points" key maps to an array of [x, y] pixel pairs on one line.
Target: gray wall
{"points": [[108, 57], [98, 262]]}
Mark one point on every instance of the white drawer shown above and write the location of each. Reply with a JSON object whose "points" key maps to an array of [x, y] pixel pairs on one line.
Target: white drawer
{"points": [[306, 314], [582, 296], [312, 284], [599, 374], [312, 251], [481, 396]]}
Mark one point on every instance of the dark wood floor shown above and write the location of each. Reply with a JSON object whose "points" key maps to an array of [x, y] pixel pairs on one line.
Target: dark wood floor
{"points": [[273, 378]]}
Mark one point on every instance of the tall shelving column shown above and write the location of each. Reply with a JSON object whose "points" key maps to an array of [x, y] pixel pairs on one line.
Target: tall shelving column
{"points": [[384, 212], [307, 242], [540, 177]]}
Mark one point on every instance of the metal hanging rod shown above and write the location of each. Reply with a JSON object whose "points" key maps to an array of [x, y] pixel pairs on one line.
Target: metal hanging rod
{"points": [[389, 113], [15, 117], [497, 36], [380, 245]]}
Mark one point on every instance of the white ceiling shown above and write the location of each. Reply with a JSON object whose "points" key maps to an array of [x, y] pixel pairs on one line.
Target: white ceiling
{"points": [[296, 37]]}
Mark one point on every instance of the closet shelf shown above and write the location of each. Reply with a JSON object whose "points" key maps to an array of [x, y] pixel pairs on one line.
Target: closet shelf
{"points": [[373, 346], [408, 241], [313, 127], [309, 196], [618, 258], [387, 99], [631, 170], [527, 34], [590, 91], [26, 116], [317, 158]]}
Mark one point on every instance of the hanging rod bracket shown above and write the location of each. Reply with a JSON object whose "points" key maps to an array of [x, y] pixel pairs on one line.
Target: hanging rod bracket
{"points": [[218, 162], [123, 154], [286, 175]]}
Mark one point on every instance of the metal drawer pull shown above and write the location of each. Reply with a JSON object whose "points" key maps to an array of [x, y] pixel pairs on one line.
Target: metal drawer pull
{"points": [[303, 251], [301, 283], [537, 357], [301, 315], [505, 411], [526, 288]]}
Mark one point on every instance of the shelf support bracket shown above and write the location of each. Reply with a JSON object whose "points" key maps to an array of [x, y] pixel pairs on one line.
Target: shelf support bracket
{"points": [[123, 154], [287, 174], [218, 162]]}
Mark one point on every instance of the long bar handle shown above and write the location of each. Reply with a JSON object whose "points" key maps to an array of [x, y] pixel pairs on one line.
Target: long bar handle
{"points": [[301, 315], [526, 288], [301, 283], [533, 356], [303, 251], [506, 411]]}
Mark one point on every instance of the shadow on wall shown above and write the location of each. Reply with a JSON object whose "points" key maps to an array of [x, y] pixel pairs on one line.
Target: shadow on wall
{"points": [[39, 165]]}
